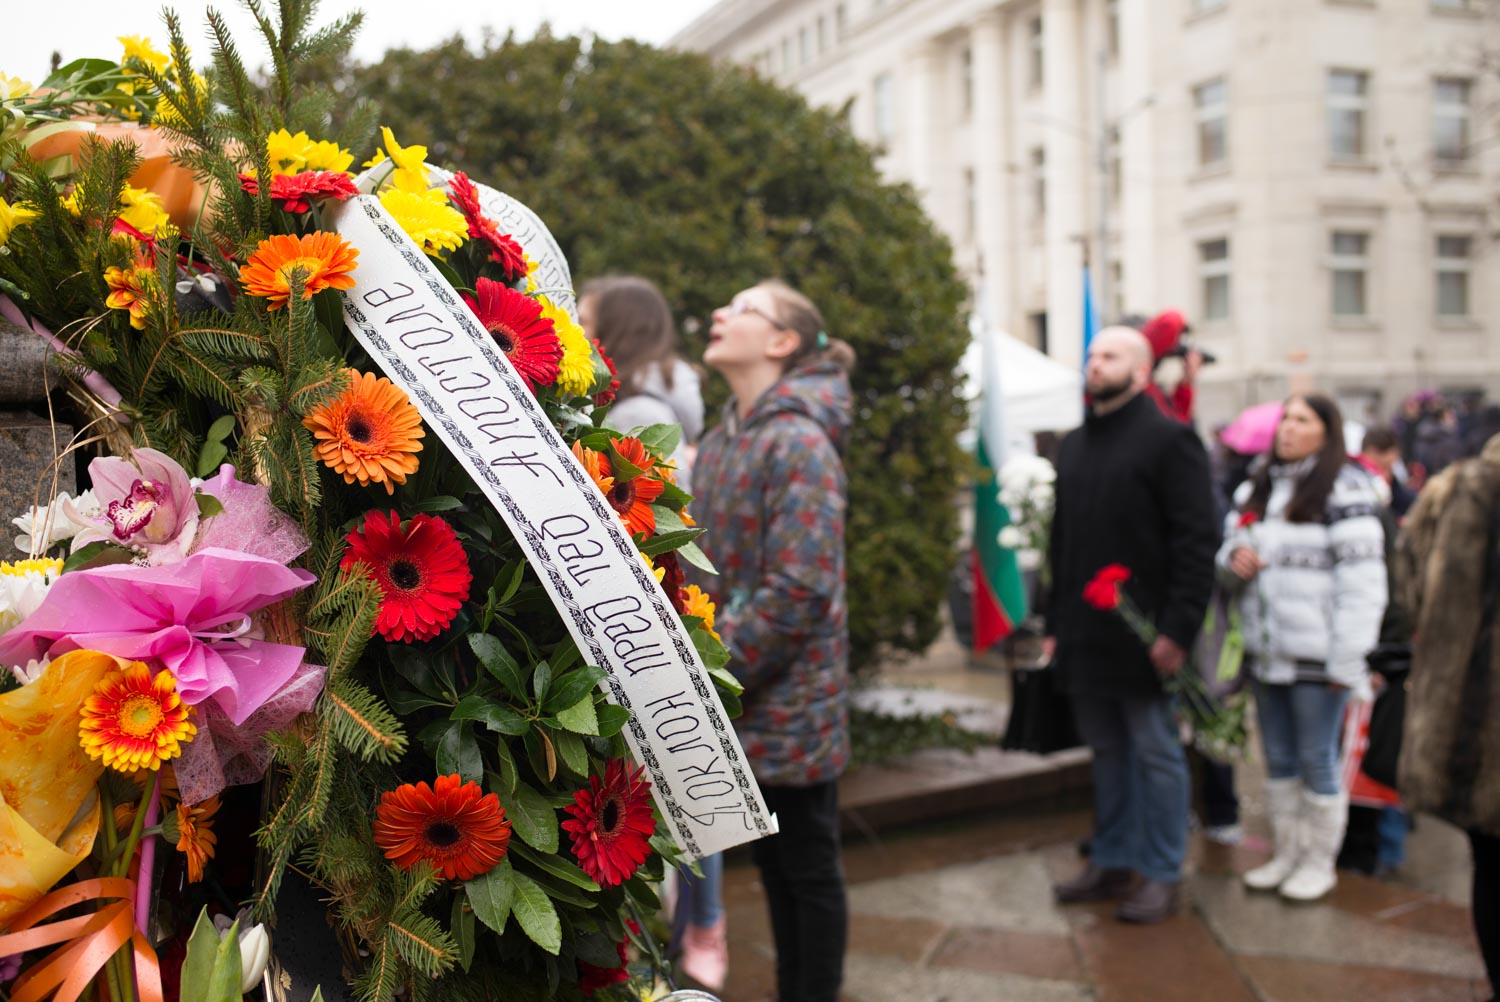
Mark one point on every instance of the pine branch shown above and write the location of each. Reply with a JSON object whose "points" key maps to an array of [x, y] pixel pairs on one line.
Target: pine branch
{"points": [[422, 943], [363, 724]]}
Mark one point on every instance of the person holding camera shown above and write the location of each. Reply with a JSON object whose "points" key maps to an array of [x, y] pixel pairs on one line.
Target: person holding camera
{"points": [[1164, 332]]}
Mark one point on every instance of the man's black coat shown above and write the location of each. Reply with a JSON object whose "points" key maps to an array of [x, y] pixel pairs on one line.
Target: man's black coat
{"points": [[1132, 488]]}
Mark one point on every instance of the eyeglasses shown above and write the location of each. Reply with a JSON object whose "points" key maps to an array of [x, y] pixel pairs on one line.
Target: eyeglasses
{"points": [[739, 306]]}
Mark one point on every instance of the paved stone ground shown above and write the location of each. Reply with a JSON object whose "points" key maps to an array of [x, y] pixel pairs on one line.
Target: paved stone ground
{"points": [[964, 911]]}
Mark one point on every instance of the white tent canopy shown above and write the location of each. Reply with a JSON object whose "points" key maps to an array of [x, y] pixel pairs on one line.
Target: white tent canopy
{"points": [[1041, 394]]}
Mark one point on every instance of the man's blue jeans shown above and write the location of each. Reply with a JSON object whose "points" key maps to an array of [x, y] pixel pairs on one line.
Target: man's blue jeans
{"points": [[1141, 784], [1299, 729]]}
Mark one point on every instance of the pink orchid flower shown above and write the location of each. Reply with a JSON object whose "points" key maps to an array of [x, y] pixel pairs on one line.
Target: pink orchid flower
{"points": [[147, 504]]}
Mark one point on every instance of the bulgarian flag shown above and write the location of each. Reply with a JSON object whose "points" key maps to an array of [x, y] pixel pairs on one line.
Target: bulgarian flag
{"points": [[999, 592]]}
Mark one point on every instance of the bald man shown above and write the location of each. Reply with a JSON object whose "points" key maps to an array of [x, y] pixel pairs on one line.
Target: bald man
{"points": [[1133, 490]]}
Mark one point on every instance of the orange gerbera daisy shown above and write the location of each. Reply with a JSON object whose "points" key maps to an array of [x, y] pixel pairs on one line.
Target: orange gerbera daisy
{"points": [[133, 721], [326, 260], [695, 602], [596, 466], [631, 497], [368, 433], [453, 825], [195, 835]]}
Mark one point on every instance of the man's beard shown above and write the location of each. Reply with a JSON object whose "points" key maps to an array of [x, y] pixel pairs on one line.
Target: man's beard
{"points": [[1106, 392]]}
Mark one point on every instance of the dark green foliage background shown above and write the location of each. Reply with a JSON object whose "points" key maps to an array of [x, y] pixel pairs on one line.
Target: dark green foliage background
{"points": [[705, 180]]}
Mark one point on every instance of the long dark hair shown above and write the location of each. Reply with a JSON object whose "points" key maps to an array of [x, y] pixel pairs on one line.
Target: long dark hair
{"points": [[634, 323], [1310, 498]]}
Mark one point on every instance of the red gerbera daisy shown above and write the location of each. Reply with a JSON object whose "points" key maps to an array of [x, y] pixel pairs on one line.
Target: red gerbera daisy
{"points": [[456, 827], [294, 191], [606, 397], [516, 323], [421, 568], [611, 824], [504, 250]]}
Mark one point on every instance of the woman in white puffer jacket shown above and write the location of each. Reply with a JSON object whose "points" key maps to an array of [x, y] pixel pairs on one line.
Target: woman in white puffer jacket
{"points": [[1305, 552]]}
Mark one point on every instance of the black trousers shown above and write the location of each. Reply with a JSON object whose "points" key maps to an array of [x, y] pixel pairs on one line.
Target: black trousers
{"points": [[1487, 902], [804, 880]]}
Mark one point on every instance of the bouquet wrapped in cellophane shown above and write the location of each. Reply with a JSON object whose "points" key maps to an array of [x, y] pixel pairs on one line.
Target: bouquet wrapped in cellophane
{"points": [[286, 626]]}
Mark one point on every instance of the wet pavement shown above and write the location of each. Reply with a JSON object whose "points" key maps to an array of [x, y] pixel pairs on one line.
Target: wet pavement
{"points": [[961, 909]]}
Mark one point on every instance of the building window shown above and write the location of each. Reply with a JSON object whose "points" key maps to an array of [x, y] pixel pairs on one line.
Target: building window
{"points": [[1211, 104], [1450, 120], [966, 81], [885, 109], [1348, 114], [786, 55], [1213, 278], [1034, 44], [971, 204], [1349, 266], [822, 35], [1453, 261], [1038, 184], [1038, 324], [1116, 303], [804, 47], [1112, 26], [1205, 6], [840, 21], [1453, 5]]}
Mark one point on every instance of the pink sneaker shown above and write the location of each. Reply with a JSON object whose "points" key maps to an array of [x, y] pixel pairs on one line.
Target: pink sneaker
{"points": [[705, 954]]}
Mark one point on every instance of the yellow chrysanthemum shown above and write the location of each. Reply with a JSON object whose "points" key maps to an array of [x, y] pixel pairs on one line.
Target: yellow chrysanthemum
{"points": [[575, 374], [140, 47], [427, 217], [411, 164], [14, 87], [134, 721], [144, 210], [324, 155], [287, 153], [696, 603], [12, 216]]}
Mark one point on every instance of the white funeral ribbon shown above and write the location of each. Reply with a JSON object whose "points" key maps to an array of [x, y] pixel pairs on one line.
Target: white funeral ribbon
{"points": [[428, 342]]}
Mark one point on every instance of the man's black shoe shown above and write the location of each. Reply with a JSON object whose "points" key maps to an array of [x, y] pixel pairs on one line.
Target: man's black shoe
{"points": [[1093, 884], [1151, 901]]}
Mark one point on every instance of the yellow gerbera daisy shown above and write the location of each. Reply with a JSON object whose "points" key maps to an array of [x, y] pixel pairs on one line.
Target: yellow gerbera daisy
{"points": [[133, 721], [287, 153], [140, 47], [12, 216], [427, 217], [575, 374], [696, 603]]}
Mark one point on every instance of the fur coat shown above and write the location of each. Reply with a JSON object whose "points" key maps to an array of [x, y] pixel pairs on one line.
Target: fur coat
{"points": [[1450, 756]]}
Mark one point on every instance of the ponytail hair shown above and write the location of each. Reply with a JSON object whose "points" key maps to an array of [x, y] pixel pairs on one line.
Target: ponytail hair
{"points": [[797, 313]]}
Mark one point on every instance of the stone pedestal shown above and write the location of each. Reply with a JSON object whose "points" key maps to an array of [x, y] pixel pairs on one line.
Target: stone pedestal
{"points": [[26, 375], [26, 453]]}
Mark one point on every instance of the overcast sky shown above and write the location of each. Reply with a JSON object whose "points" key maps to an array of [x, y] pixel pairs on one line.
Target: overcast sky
{"points": [[33, 29]]}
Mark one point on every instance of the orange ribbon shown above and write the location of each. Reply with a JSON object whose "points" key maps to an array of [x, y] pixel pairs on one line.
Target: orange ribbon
{"points": [[89, 941]]}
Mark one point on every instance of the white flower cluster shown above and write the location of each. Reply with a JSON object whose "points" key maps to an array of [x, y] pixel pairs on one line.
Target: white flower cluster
{"points": [[60, 521], [1028, 492]]}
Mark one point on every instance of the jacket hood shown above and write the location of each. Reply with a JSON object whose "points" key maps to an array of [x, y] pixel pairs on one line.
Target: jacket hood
{"points": [[684, 396], [818, 390]]}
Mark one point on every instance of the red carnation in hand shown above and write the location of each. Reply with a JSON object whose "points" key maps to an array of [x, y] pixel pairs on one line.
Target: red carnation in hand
{"points": [[611, 824], [1103, 592], [295, 191], [421, 568], [1248, 518]]}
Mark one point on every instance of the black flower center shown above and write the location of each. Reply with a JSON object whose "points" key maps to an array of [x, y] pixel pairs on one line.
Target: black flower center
{"points": [[622, 494], [404, 575], [609, 818], [442, 833], [505, 339], [358, 428]]}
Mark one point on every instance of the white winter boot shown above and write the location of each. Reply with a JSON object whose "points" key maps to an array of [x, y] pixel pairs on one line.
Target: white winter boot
{"points": [[1284, 804], [1325, 817]]}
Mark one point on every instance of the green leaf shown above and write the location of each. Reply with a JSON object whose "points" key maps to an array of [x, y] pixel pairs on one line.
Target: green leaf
{"points": [[214, 451], [208, 505], [541, 680], [533, 819], [491, 894], [580, 718], [667, 520], [612, 719], [538, 918], [556, 865], [459, 752], [661, 439], [462, 925], [623, 468], [494, 716], [198, 968], [568, 689], [415, 666], [96, 555], [693, 555], [504, 781], [668, 541], [441, 502], [570, 749], [498, 662]]}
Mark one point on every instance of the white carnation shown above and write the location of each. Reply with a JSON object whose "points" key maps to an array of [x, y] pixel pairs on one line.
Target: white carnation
{"points": [[68, 517], [1012, 538], [23, 585]]}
